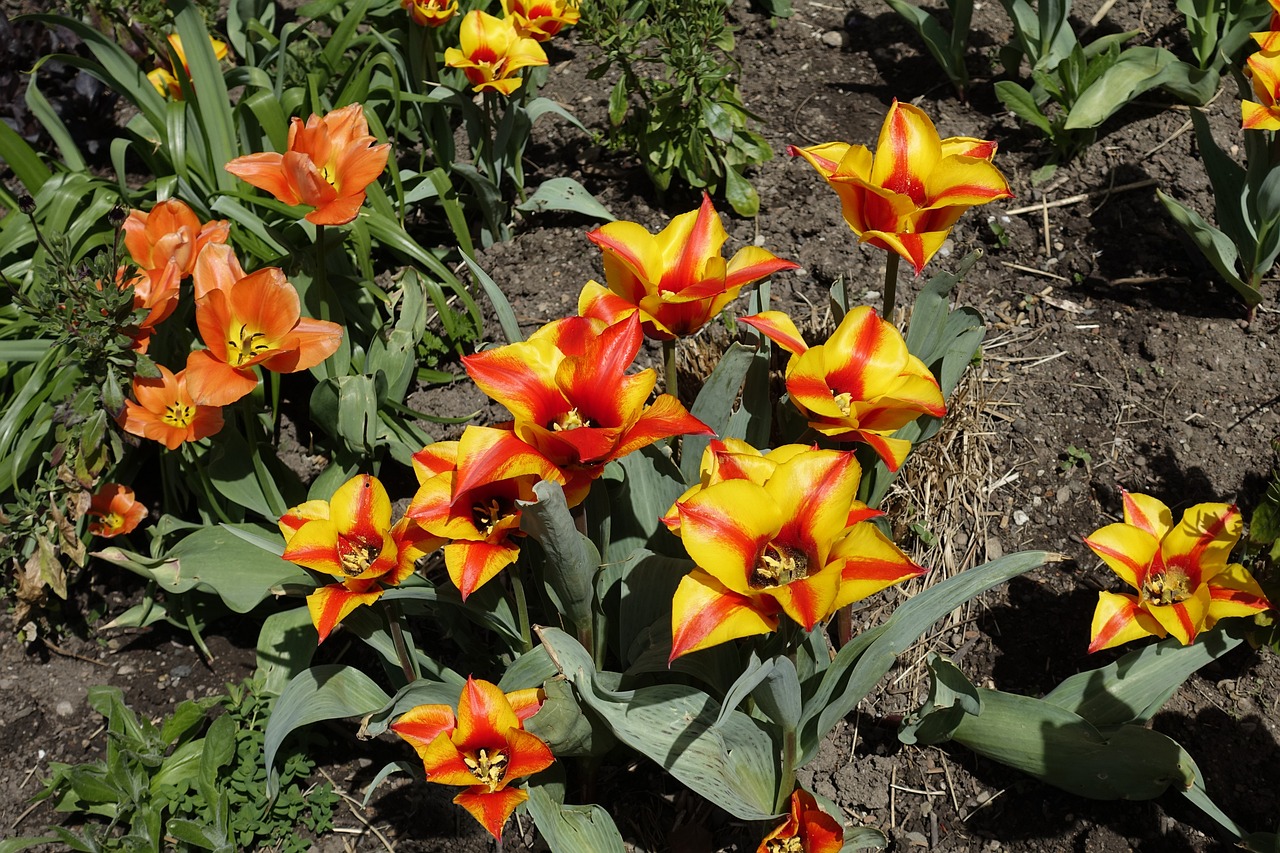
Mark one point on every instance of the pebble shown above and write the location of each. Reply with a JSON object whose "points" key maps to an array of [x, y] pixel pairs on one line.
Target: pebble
{"points": [[180, 671], [1064, 494], [916, 839], [126, 669], [1020, 518], [995, 550], [64, 708], [835, 38]]}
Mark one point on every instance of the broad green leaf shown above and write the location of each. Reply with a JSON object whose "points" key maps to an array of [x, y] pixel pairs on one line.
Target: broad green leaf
{"points": [[572, 560], [22, 159], [740, 194], [565, 194], [1138, 70], [325, 692], [286, 643], [1216, 246], [941, 44], [651, 483], [562, 725], [714, 406], [1020, 102], [571, 829], [951, 696]]}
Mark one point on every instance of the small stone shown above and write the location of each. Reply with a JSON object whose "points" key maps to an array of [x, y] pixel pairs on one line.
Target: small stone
{"points": [[916, 839], [64, 708], [835, 38], [1064, 494], [180, 671], [1020, 518], [126, 669], [995, 550]]}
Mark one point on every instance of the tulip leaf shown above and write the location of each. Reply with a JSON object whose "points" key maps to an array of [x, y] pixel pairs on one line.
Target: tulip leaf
{"points": [[531, 669], [863, 838], [714, 406], [951, 696], [501, 307], [650, 485], [1216, 246], [1021, 103], [572, 560], [561, 724], [778, 694], [639, 590], [569, 829], [325, 692], [732, 763], [860, 664], [1138, 70], [565, 194], [1133, 688], [419, 692], [755, 671], [286, 642]]}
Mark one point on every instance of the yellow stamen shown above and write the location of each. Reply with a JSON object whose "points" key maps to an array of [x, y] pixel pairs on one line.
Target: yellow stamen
{"points": [[1171, 586], [779, 566], [112, 521], [246, 345], [357, 557], [486, 518], [178, 415], [571, 419], [488, 769], [844, 401], [794, 844]]}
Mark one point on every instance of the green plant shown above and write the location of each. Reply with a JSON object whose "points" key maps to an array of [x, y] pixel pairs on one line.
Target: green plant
{"points": [[185, 785], [1076, 87], [1073, 456], [675, 103], [1219, 29], [948, 47]]}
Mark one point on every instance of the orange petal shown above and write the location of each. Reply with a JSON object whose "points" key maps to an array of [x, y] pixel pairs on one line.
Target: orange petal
{"points": [[423, 724], [266, 172], [705, 613], [491, 809], [212, 382], [330, 604], [779, 328]]}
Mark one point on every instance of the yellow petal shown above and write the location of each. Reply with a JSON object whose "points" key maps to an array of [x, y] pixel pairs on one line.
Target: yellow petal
{"points": [[1120, 619], [1126, 549]]}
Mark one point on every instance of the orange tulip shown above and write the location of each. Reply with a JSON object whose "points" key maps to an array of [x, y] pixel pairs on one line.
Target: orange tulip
{"points": [[676, 279], [351, 538], [807, 829], [170, 231], [908, 195], [774, 533], [861, 385], [329, 162], [540, 19], [430, 13], [115, 510], [483, 748], [165, 412], [469, 494], [249, 321], [572, 400], [492, 53], [1183, 580]]}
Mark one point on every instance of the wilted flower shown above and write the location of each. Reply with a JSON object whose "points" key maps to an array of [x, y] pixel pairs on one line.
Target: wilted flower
{"points": [[484, 748], [430, 13], [1183, 580], [165, 412], [115, 511], [492, 53], [861, 385], [676, 279], [329, 162], [908, 195], [541, 19]]}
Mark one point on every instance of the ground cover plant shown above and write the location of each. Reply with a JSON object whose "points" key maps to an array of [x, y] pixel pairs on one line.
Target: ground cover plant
{"points": [[649, 596]]}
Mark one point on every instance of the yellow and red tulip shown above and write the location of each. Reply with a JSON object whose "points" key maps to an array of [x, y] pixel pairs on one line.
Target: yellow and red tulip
{"points": [[468, 495], [164, 80], [675, 279], [907, 196], [1263, 71], [430, 13], [807, 829], [328, 163], [1183, 581], [483, 748], [351, 538], [541, 19], [779, 533], [170, 232], [492, 52], [165, 411], [861, 385], [254, 320], [115, 511], [572, 399]]}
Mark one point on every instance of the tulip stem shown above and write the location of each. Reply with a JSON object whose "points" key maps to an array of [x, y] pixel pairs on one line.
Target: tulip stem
{"points": [[394, 616], [890, 285], [522, 608], [669, 365]]}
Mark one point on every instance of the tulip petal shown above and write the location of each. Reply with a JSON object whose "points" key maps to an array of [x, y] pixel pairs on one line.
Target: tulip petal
{"points": [[725, 528], [213, 382], [752, 263], [330, 604], [779, 328], [908, 150], [1146, 513], [1127, 550], [491, 809], [1201, 542], [705, 613], [526, 755], [870, 562], [1184, 619], [1234, 592], [423, 724], [1120, 619], [484, 716], [266, 172], [473, 564]]}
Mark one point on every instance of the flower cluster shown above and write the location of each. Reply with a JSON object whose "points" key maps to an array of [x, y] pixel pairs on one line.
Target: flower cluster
{"points": [[491, 51]]}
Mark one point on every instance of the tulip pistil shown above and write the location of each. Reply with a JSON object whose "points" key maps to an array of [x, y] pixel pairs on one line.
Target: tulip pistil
{"points": [[488, 769], [178, 415], [249, 345], [486, 518], [1168, 587], [844, 401], [779, 566]]}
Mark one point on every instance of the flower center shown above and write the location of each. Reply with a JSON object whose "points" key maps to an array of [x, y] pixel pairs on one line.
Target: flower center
{"points": [[356, 557], [571, 419], [779, 566], [178, 414], [1171, 586], [488, 768], [486, 517], [844, 401], [245, 345], [112, 521], [794, 844]]}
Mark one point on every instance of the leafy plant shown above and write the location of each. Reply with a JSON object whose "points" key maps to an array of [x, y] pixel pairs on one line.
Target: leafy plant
{"points": [[1076, 87], [201, 785], [1219, 29], [947, 47], [684, 117]]}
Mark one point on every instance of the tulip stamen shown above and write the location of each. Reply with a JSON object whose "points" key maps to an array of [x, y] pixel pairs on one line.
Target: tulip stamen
{"points": [[249, 346], [571, 419], [1168, 587], [357, 557], [844, 401], [178, 415], [488, 769], [779, 566], [794, 844], [486, 518]]}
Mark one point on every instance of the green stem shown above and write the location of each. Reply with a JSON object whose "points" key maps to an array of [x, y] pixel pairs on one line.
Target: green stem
{"points": [[890, 285], [787, 781], [669, 364], [522, 609], [394, 616]]}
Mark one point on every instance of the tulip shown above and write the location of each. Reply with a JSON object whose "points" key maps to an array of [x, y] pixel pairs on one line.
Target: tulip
{"points": [[676, 280], [540, 19], [115, 511], [1183, 580], [430, 13], [861, 385], [907, 196], [807, 829], [772, 534], [469, 493], [170, 231], [165, 411], [156, 292], [492, 53], [328, 164], [351, 538], [246, 322], [572, 400], [1263, 71], [483, 748], [165, 82]]}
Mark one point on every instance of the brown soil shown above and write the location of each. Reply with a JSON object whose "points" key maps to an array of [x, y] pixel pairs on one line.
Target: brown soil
{"points": [[1117, 343]]}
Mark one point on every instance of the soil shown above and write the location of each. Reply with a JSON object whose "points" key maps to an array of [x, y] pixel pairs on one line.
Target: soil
{"points": [[1114, 360]]}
